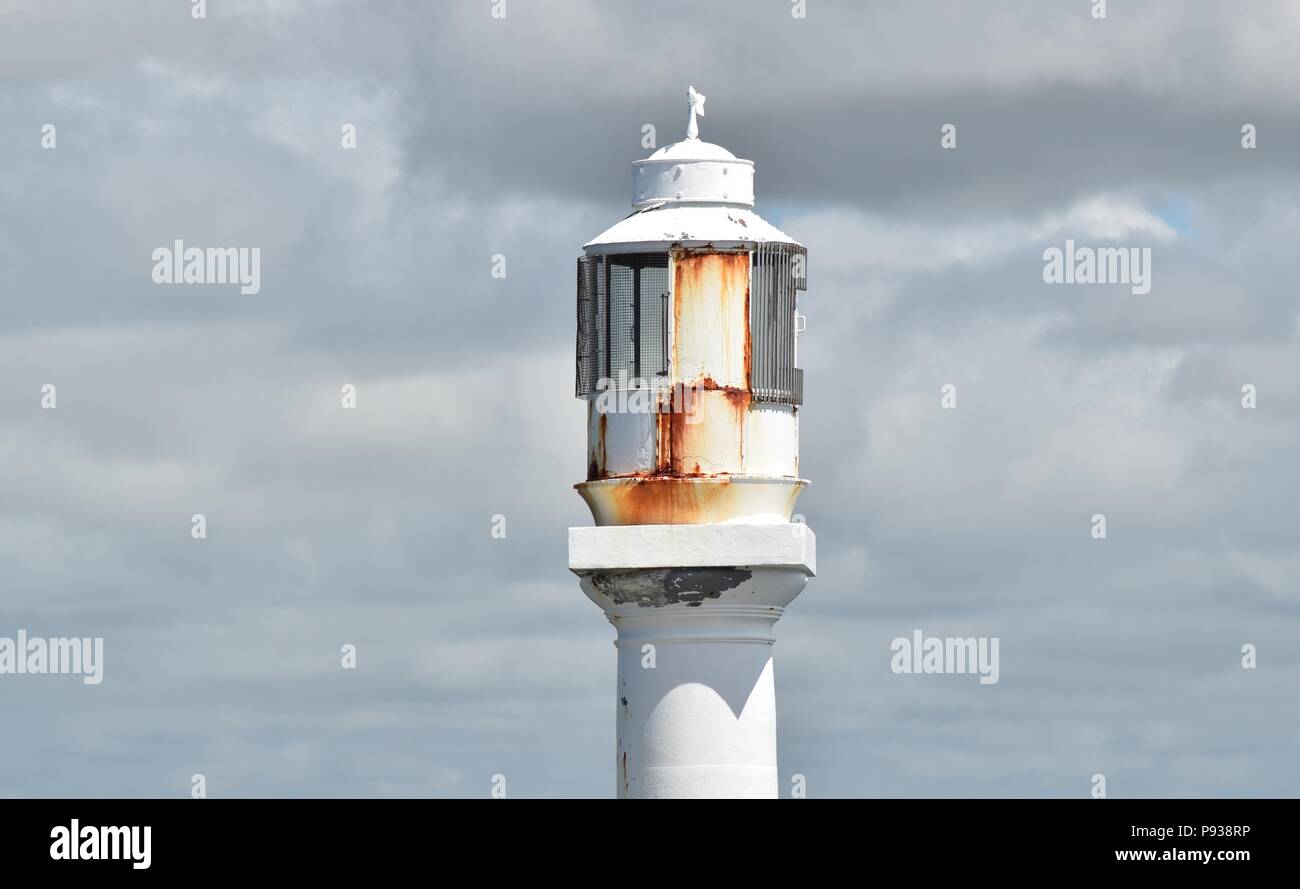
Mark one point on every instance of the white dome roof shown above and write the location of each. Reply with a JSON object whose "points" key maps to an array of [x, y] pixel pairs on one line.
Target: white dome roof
{"points": [[668, 176], [693, 150]]}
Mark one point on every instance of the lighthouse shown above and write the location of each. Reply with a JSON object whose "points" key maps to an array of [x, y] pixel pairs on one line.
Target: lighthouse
{"points": [[687, 358]]}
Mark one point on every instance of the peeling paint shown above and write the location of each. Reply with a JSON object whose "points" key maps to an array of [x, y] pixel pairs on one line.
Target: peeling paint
{"points": [[657, 587]]}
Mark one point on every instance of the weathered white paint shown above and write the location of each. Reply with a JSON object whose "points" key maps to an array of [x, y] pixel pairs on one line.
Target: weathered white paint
{"points": [[772, 440], [702, 721], [789, 545], [628, 443]]}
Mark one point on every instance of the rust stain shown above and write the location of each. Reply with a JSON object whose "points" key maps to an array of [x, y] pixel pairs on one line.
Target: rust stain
{"points": [[708, 384], [596, 467], [726, 275], [749, 346], [666, 501], [638, 500], [677, 442], [664, 441], [683, 268], [699, 436], [739, 398]]}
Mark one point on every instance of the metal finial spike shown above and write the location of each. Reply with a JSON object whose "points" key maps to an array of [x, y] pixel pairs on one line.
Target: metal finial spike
{"points": [[697, 107]]}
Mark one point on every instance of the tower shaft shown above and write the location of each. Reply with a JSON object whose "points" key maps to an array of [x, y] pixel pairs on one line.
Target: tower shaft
{"points": [[695, 696]]}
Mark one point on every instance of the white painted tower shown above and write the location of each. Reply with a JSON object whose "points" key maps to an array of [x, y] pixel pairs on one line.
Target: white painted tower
{"points": [[686, 355]]}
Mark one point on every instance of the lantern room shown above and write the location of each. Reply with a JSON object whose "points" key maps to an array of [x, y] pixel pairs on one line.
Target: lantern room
{"points": [[687, 348]]}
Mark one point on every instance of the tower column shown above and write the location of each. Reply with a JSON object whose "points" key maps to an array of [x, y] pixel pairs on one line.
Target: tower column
{"points": [[695, 697]]}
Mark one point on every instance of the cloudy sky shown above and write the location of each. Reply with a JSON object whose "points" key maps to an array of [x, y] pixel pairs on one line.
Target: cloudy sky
{"points": [[478, 136]]}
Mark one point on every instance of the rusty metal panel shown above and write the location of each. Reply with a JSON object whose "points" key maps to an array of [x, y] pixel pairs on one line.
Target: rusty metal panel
{"points": [[711, 318]]}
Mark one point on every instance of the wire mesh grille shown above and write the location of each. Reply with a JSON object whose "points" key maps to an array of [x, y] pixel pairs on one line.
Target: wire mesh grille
{"points": [[654, 293], [622, 322], [586, 329], [622, 345]]}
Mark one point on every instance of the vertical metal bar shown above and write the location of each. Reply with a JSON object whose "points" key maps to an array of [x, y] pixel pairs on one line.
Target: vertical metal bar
{"points": [[787, 368], [578, 387], [768, 356], [778, 269], [755, 329], [759, 332], [604, 272], [663, 342], [771, 316], [791, 286], [593, 295], [774, 306], [765, 308], [636, 320], [670, 317]]}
